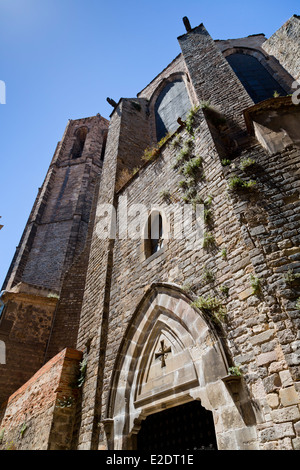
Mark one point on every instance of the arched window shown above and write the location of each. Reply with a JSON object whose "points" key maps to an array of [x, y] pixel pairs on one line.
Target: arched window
{"points": [[78, 146], [172, 103], [256, 79], [154, 236]]}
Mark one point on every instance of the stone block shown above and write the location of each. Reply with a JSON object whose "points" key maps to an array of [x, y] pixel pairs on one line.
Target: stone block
{"points": [[289, 396], [278, 431], [272, 383], [266, 358], [273, 400], [282, 415], [286, 378], [297, 428], [296, 443], [247, 438], [262, 337], [245, 294]]}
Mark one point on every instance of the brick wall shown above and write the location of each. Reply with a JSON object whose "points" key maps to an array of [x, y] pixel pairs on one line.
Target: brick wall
{"points": [[34, 417]]}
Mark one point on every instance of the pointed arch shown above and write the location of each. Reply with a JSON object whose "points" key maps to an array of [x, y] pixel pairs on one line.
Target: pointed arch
{"points": [[255, 74], [79, 142], [140, 386]]}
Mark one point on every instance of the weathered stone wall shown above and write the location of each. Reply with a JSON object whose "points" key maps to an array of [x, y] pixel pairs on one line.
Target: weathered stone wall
{"points": [[270, 225], [34, 417], [284, 46], [179, 262], [135, 115], [260, 231]]}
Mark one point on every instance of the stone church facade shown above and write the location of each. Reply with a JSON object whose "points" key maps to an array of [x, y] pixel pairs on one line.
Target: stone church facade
{"points": [[189, 339]]}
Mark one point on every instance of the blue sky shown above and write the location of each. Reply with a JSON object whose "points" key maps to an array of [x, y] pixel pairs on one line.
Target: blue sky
{"points": [[61, 59]]}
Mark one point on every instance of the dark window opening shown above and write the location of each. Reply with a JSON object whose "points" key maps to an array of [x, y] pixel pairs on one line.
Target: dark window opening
{"points": [[154, 236], [172, 103], [78, 145], [103, 147], [188, 427], [256, 79]]}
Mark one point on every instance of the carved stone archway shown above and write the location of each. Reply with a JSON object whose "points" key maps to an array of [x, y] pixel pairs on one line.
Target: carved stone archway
{"points": [[170, 355]]}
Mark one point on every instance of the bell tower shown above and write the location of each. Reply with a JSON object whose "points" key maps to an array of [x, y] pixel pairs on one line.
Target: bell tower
{"points": [[57, 226], [54, 239]]}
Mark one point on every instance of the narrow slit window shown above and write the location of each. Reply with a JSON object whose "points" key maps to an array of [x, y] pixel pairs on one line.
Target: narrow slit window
{"points": [[155, 237]]}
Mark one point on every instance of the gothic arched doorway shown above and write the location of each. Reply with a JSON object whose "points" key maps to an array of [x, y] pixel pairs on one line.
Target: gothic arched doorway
{"points": [[187, 427], [170, 355]]}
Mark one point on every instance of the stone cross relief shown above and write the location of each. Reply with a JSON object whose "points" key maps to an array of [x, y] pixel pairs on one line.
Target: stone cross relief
{"points": [[162, 354]]}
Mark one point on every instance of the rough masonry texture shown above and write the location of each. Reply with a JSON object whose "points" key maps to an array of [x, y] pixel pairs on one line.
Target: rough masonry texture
{"points": [[120, 327]]}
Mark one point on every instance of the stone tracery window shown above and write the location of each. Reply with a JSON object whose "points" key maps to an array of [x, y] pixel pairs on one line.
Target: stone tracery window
{"points": [[256, 79], [173, 102]]}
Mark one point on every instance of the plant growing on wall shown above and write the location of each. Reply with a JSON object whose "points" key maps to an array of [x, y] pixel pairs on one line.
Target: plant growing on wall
{"points": [[225, 290], [236, 183], [192, 167], [235, 371], [247, 163], [208, 215], [10, 446], [53, 296], [213, 114], [255, 284], [153, 151], [208, 275], [208, 240], [182, 157], [291, 277], [66, 402], [166, 196], [187, 287], [213, 307], [224, 253], [82, 373], [23, 429], [190, 120], [176, 141]]}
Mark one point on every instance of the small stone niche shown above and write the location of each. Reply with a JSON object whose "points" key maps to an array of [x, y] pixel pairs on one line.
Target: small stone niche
{"points": [[275, 124]]}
